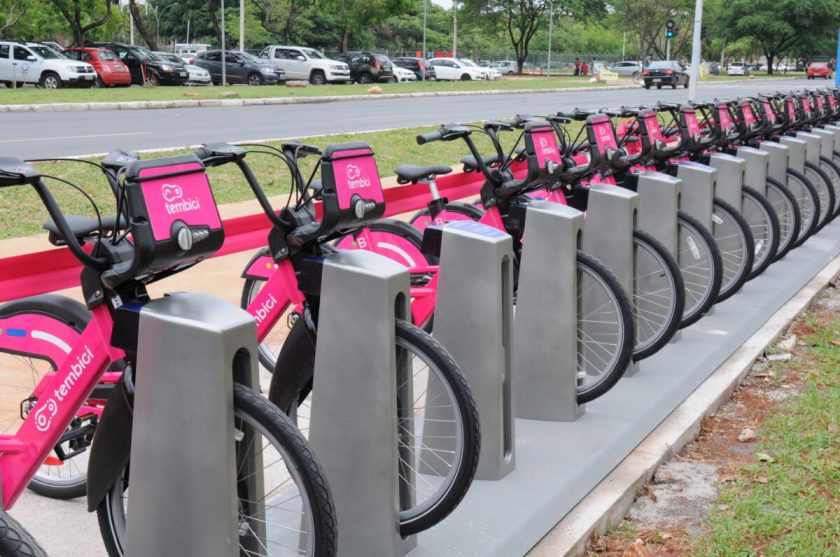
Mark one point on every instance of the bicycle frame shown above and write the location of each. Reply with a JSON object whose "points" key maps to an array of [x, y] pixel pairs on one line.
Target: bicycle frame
{"points": [[80, 363]]}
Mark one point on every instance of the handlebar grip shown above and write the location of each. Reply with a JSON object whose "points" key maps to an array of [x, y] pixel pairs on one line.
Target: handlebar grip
{"points": [[422, 139]]}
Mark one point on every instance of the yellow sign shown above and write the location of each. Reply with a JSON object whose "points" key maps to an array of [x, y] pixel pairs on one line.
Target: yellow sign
{"points": [[608, 76]]}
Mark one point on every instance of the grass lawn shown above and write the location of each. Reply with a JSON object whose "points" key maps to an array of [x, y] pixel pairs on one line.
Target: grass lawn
{"points": [[753, 75], [788, 503], [22, 213], [31, 95]]}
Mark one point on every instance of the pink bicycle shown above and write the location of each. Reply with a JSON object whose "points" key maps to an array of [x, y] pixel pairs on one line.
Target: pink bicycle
{"points": [[53, 362]]}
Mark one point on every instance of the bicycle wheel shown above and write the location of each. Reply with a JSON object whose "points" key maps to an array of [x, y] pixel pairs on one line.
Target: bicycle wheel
{"points": [[809, 204], [787, 211], [293, 516], [825, 192], [15, 541], [54, 325], [701, 267], [831, 168], [438, 464], [605, 330], [764, 226], [733, 237], [658, 295]]}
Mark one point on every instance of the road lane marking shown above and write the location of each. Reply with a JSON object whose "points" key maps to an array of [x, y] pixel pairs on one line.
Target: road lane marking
{"points": [[73, 137]]}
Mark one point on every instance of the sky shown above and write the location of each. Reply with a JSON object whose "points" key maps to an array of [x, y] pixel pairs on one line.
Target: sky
{"points": [[445, 3]]}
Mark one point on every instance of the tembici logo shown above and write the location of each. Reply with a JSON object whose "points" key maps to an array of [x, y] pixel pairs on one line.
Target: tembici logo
{"points": [[47, 409], [175, 202]]}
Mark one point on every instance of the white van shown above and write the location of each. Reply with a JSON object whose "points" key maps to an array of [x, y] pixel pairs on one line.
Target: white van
{"points": [[40, 65]]}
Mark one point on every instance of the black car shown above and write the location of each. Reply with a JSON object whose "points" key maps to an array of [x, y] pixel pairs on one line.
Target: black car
{"points": [[419, 66], [142, 62], [665, 72], [240, 67], [367, 67]]}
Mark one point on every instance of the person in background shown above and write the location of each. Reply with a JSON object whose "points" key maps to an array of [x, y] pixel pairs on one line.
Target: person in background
{"points": [[584, 69], [577, 66]]}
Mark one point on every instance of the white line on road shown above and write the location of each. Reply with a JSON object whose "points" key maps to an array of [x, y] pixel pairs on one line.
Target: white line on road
{"points": [[74, 137]]}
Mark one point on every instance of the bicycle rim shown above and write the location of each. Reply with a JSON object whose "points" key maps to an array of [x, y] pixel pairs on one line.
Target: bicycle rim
{"points": [[280, 521], [656, 297], [833, 172], [787, 212], [764, 227], [602, 334], [825, 193], [735, 248], [808, 202], [700, 266]]}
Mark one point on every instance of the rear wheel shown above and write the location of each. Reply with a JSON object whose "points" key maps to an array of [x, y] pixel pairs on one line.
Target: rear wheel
{"points": [[733, 237], [365, 78], [764, 226], [701, 267], [787, 211]]}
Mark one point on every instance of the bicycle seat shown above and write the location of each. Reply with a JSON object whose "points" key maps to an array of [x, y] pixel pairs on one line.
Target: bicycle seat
{"points": [[411, 173], [15, 172], [470, 163], [81, 226]]}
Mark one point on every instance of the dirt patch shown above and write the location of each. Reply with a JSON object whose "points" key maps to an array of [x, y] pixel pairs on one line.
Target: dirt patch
{"points": [[669, 511]]}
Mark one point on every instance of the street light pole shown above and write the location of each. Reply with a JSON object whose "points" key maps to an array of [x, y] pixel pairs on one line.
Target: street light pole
{"points": [[224, 58], [454, 29], [695, 51], [550, 26], [242, 25], [423, 57]]}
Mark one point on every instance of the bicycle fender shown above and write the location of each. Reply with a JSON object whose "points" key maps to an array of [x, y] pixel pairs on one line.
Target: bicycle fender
{"points": [[295, 367], [111, 447], [261, 266]]}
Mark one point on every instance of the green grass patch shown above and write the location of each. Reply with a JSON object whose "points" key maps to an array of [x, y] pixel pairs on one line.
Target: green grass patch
{"points": [[22, 213], [788, 503], [131, 94]]}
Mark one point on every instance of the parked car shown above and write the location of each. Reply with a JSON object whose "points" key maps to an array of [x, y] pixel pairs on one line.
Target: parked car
{"points": [[143, 64], [28, 62], [632, 69], [665, 72], [304, 63], [403, 74], [53, 45], [452, 69], [110, 71], [713, 68], [367, 67], [818, 69], [419, 66], [737, 68], [240, 67], [195, 74], [505, 66], [489, 73]]}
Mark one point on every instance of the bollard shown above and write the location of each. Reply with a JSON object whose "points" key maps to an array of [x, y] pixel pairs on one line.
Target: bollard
{"points": [[183, 412], [545, 334], [777, 166], [731, 171], [812, 147], [796, 156], [698, 193], [757, 163], [826, 142], [608, 235], [353, 424], [835, 129], [473, 319]]}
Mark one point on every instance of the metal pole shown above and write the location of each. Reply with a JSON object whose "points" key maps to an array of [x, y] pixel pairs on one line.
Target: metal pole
{"points": [[242, 25], [695, 51], [623, 45], [131, 26], [667, 48], [224, 58], [550, 25], [423, 57], [188, 32], [454, 29], [837, 63]]}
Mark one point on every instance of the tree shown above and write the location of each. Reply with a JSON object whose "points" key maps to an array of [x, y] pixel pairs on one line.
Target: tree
{"points": [[778, 25], [11, 12], [645, 20], [83, 16], [282, 17], [150, 39], [357, 15]]}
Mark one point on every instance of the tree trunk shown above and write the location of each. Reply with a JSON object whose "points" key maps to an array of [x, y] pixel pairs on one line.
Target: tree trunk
{"points": [[345, 40], [770, 58], [151, 41], [213, 9]]}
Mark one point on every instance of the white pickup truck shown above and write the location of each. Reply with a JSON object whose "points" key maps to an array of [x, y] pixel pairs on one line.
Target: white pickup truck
{"points": [[302, 63]]}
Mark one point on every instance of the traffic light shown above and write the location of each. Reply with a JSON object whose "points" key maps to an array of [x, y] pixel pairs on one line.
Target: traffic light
{"points": [[669, 29], [703, 30]]}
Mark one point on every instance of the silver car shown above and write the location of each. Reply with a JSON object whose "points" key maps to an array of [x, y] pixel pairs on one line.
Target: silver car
{"points": [[627, 69], [195, 75]]}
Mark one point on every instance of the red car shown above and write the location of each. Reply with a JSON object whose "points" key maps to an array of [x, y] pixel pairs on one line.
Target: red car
{"points": [[110, 70], [818, 69]]}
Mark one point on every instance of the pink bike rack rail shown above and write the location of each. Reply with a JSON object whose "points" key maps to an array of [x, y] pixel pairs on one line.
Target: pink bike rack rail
{"points": [[56, 269]]}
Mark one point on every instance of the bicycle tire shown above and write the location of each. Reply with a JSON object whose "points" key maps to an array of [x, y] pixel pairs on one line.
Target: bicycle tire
{"points": [[832, 169], [701, 267], [733, 237], [825, 191], [281, 432], [290, 390], [587, 264], [658, 295], [764, 226], [44, 483], [787, 210], [468, 210], [15, 541], [809, 204]]}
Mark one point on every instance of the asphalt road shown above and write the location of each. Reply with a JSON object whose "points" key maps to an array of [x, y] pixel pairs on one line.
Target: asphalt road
{"points": [[45, 134]]}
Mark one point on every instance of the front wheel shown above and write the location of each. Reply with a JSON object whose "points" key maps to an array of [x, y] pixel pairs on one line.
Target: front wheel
{"points": [[317, 78], [255, 79], [293, 513], [764, 226], [787, 211], [439, 438], [825, 191], [50, 80], [15, 541], [701, 267], [466, 77], [737, 249], [809, 204]]}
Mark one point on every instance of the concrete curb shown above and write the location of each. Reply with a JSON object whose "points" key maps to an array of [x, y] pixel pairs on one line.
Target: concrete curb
{"points": [[201, 103], [606, 505]]}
